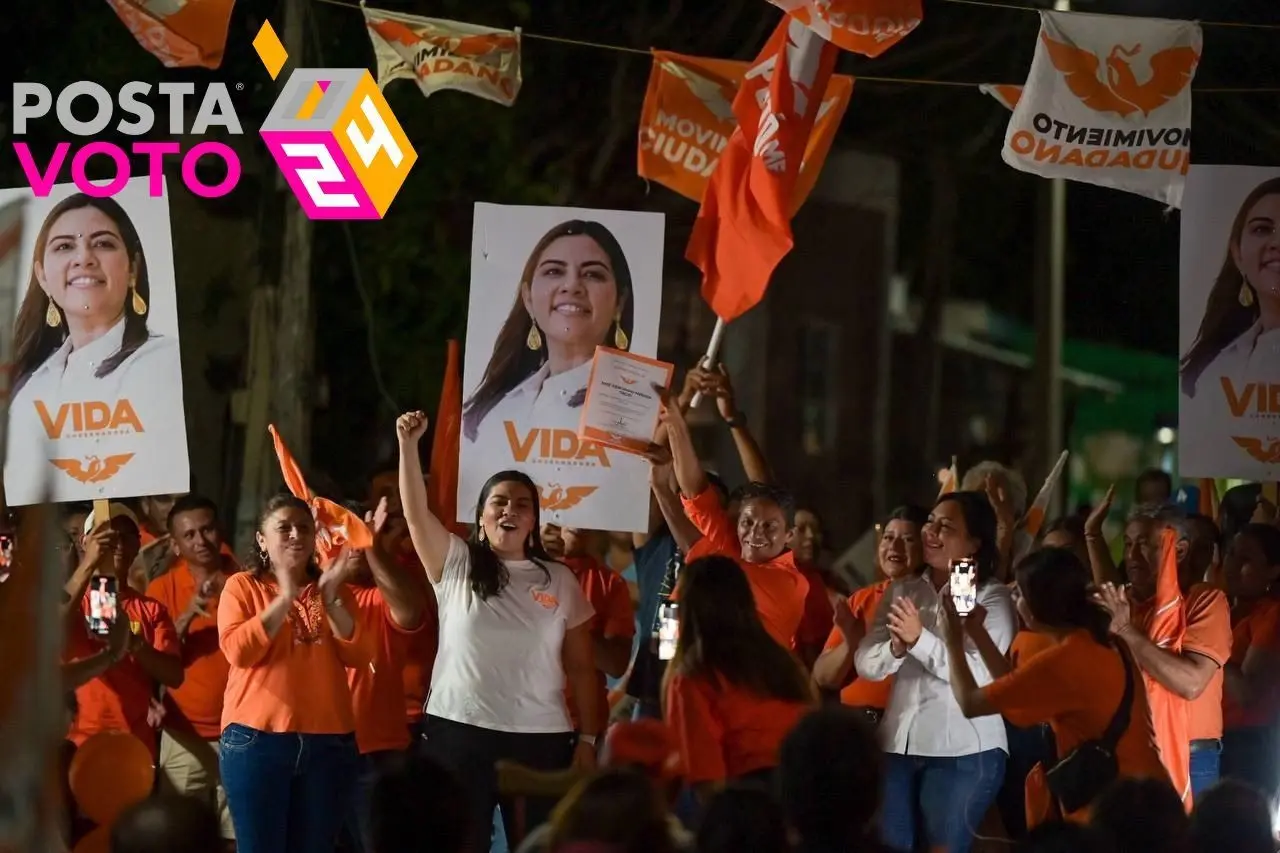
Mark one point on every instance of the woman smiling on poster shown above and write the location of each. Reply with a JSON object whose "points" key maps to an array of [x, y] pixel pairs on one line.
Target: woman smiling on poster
{"points": [[575, 294], [89, 377]]}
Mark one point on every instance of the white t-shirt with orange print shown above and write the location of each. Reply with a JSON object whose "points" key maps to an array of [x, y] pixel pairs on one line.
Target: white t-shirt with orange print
{"points": [[499, 664]]}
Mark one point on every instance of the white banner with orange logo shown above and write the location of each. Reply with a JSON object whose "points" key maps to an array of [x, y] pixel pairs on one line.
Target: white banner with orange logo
{"points": [[1229, 271], [1108, 102], [549, 285], [439, 54], [96, 384], [180, 33], [868, 27], [687, 119]]}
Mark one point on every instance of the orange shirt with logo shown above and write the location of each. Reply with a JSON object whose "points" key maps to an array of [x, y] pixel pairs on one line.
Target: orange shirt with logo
{"points": [[291, 682], [861, 692], [615, 617], [196, 706], [1076, 687], [724, 731], [377, 689], [1258, 629], [117, 700], [777, 586]]}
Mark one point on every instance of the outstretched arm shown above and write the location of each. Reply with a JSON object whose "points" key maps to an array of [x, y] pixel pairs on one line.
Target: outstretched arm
{"points": [[429, 536]]}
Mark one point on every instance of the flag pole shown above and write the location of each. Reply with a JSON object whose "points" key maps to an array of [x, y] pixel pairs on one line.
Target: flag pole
{"points": [[713, 349]]}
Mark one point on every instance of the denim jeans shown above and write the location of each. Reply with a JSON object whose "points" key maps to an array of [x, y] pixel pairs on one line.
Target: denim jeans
{"points": [[288, 792], [947, 797], [1206, 766]]}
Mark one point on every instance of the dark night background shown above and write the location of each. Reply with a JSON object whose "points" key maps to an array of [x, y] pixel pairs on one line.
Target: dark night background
{"points": [[570, 138]]}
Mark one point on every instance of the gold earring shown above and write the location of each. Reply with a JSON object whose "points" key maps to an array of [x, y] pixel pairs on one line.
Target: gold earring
{"points": [[52, 317], [1246, 294], [139, 304], [620, 339], [534, 340]]}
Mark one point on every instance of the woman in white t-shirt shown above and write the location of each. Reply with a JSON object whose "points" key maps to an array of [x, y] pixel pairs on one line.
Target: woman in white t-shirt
{"points": [[514, 627]]}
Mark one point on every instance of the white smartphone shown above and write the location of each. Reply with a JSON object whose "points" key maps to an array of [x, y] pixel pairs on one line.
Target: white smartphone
{"points": [[103, 604], [964, 585], [668, 630]]}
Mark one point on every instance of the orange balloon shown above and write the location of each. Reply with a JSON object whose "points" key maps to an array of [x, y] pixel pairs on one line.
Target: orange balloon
{"points": [[111, 771], [97, 841]]}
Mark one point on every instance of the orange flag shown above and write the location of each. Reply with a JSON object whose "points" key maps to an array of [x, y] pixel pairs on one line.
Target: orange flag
{"points": [[743, 228], [442, 485], [180, 33], [1165, 626], [336, 526], [951, 481], [869, 27], [1006, 94], [687, 120]]}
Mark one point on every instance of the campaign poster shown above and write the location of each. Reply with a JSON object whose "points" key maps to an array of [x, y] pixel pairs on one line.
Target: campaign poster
{"points": [[1229, 324], [95, 374], [549, 285]]}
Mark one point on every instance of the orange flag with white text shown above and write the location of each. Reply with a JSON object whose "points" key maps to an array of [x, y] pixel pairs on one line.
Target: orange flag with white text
{"points": [[1165, 626], [180, 33], [868, 27], [743, 228], [336, 526], [687, 120], [442, 484]]}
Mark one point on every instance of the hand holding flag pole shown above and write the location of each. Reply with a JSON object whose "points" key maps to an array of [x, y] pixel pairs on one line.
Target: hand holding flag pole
{"points": [[709, 360]]}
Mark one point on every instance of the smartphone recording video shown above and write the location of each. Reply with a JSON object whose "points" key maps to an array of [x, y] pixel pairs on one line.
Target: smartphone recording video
{"points": [[103, 603], [964, 585], [668, 630]]}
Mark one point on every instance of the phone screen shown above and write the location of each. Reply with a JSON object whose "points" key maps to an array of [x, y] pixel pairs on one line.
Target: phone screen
{"points": [[668, 630], [103, 601], [964, 585]]}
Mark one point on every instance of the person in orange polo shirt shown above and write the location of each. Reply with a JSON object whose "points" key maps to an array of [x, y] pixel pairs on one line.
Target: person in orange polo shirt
{"points": [[118, 699], [190, 591], [731, 695], [765, 520], [288, 753], [899, 554], [1251, 705]]}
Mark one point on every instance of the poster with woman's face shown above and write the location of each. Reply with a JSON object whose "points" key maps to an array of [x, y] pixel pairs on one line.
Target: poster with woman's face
{"points": [[549, 285], [95, 406], [1229, 323]]}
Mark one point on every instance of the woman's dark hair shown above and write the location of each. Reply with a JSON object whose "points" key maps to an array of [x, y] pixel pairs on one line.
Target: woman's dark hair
{"points": [[34, 339], [512, 360], [980, 519], [743, 817], [917, 515], [1142, 816], [1225, 319], [489, 574], [259, 562], [830, 777], [1232, 816], [1268, 538], [722, 637], [1057, 588], [1063, 837], [1072, 525], [618, 807]]}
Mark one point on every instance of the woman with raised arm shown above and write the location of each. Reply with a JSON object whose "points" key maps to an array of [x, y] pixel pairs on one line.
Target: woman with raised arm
{"points": [[514, 628]]}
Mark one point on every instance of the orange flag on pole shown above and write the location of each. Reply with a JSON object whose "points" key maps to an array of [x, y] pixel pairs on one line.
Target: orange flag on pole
{"points": [[743, 228], [442, 485], [1165, 626], [868, 27], [336, 526], [179, 33]]}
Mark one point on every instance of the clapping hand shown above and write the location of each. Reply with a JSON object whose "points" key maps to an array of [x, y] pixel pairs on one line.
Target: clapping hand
{"points": [[904, 622]]}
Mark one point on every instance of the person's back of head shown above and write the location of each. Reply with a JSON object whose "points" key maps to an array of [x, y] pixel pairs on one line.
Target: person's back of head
{"points": [[619, 807], [167, 824], [829, 775], [1063, 837], [743, 817], [1142, 816], [413, 799], [1232, 816]]}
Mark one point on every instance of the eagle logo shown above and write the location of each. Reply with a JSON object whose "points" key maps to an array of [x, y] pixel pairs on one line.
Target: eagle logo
{"points": [[1118, 91], [94, 469], [710, 92], [1267, 453], [555, 497]]}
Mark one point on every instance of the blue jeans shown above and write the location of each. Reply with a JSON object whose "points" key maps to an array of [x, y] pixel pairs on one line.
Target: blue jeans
{"points": [[1206, 767], [288, 793], [947, 797]]}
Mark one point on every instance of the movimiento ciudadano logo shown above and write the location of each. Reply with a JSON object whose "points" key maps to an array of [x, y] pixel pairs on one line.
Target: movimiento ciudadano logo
{"points": [[334, 137]]}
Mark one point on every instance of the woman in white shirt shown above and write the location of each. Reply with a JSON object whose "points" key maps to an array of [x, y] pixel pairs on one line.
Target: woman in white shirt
{"points": [[514, 627], [89, 378], [939, 763]]}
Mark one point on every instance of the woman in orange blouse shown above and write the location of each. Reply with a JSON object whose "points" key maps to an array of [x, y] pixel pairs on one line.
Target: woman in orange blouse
{"points": [[1075, 685], [288, 749], [732, 693]]}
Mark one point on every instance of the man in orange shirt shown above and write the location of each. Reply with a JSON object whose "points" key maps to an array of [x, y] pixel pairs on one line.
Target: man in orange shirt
{"points": [[1194, 674], [189, 741], [118, 699]]}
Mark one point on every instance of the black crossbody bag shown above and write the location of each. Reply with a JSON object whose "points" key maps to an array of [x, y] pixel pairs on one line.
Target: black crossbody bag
{"points": [[1089, 768]]}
